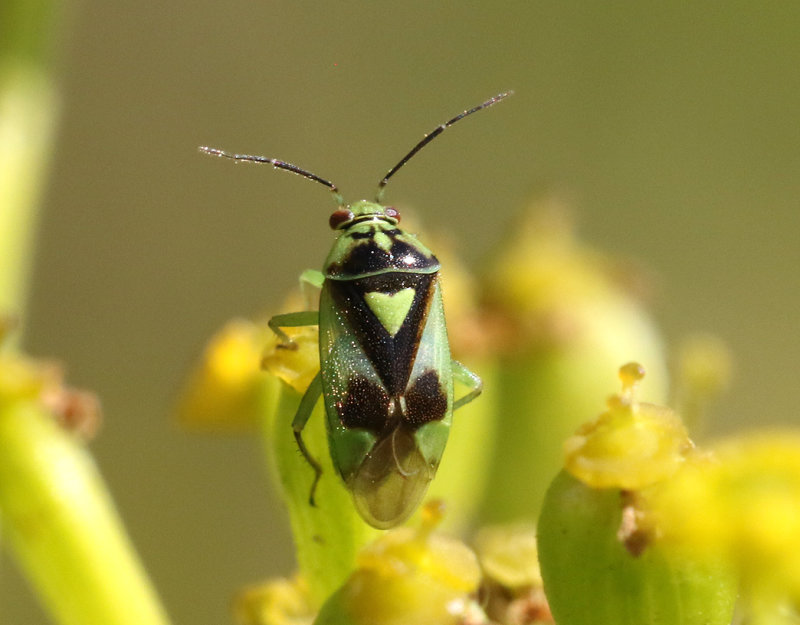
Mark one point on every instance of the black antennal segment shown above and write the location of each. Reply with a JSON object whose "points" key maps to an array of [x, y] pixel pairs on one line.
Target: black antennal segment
{"points": [[248, 158], [432, 135]]}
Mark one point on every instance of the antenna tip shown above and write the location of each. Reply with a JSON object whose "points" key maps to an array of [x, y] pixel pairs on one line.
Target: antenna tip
{"points": [[211, 151]]}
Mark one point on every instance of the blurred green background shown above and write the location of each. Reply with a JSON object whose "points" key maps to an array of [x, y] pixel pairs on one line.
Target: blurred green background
{"points": [[672, 126]]}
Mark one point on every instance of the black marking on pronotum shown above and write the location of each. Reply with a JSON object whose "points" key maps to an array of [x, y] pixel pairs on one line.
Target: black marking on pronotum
{"points": [[360, 235], [392, 234], [369, 257]]}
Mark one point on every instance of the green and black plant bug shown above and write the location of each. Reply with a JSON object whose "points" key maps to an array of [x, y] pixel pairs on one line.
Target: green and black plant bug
{"points": [[385, 369]]}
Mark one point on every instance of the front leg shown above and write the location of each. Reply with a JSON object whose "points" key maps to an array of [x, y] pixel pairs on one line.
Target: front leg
{"points": [[292, 320], [309, 278]]}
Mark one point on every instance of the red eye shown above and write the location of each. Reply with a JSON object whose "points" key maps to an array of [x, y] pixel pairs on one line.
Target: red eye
{"points": [[392, 212], [339, 217]]}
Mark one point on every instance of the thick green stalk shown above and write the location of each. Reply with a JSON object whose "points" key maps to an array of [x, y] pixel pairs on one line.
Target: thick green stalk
{"points": [[61, 525], [329, 535]]}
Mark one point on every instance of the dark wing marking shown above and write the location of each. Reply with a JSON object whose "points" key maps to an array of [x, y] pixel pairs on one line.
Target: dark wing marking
{"points": [[366, 405], [426, 400]]}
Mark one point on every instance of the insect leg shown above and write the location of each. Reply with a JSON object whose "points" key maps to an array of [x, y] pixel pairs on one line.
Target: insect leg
{"points": [[467, 378], [292, 320], [312, 277], [299, 422], [311, 281]]}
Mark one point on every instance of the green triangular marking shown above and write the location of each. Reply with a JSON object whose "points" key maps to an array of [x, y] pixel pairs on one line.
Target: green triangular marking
{"points": [[390, 309]]}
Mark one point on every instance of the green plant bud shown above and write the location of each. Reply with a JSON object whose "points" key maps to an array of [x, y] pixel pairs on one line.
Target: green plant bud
{"points": [[599, 557], [561, 323], [590, 576]]}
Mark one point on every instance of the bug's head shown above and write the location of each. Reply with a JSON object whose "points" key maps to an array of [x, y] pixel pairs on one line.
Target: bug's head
{"points": [[344, 216], [390, 482]]}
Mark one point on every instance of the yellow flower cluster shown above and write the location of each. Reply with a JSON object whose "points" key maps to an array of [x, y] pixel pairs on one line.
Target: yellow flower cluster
{"points": [[408, 575], [741, 504], [630, 446]]}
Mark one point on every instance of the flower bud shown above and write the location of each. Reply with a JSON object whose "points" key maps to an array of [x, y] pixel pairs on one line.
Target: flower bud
{"points": [[222, 392], [561, 323], [600, 562], [408, 575]]}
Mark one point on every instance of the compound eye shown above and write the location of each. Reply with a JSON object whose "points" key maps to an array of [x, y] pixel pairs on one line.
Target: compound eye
{"points": [[392, 212], [339, 217]]}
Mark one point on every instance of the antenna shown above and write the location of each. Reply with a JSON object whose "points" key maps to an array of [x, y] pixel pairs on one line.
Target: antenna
{"points": [[432, 135], [248, 158]]}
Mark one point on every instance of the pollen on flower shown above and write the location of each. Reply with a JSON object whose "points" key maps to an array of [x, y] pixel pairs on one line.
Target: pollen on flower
{"points": [[630, 446]]}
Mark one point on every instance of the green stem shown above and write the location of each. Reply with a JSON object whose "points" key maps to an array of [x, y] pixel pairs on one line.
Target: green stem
{"points": [[329, 535], [61, 525]]}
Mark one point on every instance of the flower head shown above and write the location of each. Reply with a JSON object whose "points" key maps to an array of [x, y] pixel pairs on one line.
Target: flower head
{"points": [[631, 445]]}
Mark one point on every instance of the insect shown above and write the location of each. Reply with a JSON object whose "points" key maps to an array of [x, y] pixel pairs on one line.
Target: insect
{"points": [[386, 374]]}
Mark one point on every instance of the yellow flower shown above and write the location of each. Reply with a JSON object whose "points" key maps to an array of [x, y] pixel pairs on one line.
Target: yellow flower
{"points": [[742, 504], [275, 602], [509, 556], [296, 365], [221, 393], [408, 575], [630, 446]]}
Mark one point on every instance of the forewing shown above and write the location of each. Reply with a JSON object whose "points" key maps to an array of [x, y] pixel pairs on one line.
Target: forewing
{"points": [[429, 394], [352, 390]]}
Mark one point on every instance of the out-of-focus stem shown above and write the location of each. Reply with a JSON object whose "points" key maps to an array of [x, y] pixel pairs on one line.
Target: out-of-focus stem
{"points": [[61, 525], [28, 111]]}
